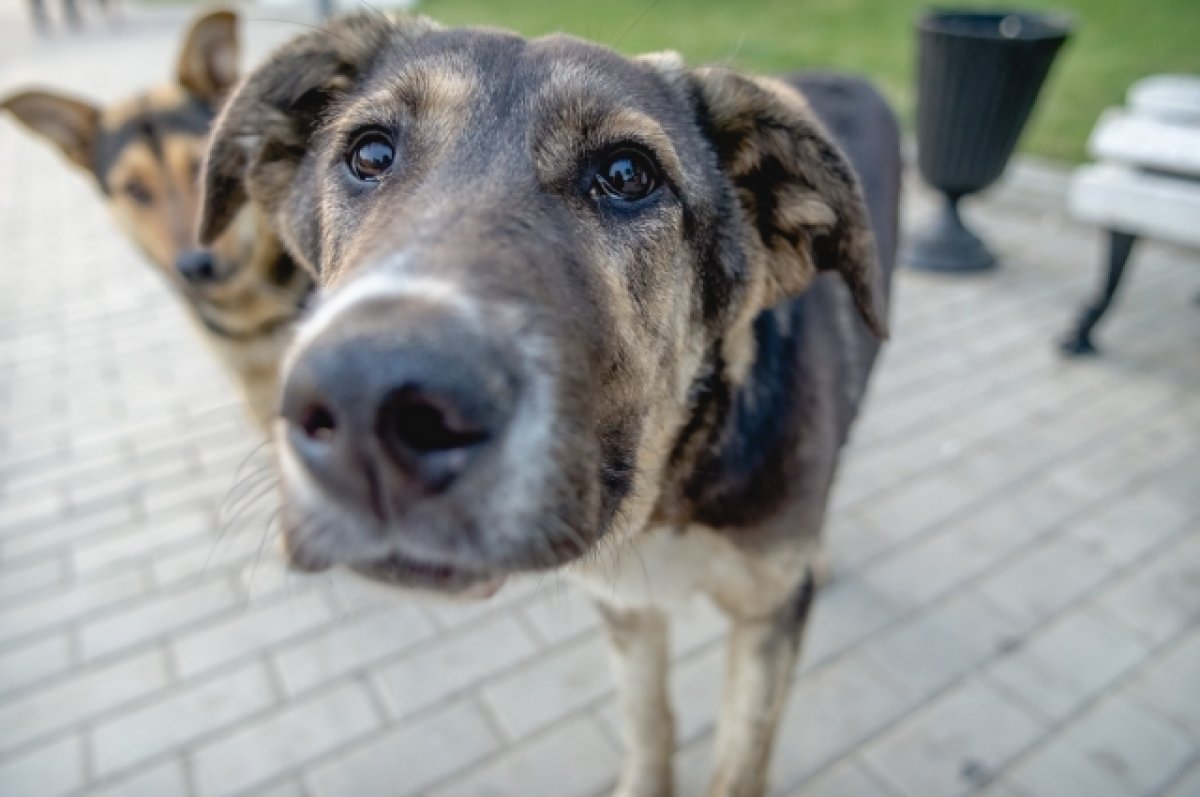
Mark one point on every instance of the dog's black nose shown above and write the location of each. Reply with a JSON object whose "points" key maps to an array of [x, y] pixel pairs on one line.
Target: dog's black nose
{"points": [[383, 412], [197, 266]]}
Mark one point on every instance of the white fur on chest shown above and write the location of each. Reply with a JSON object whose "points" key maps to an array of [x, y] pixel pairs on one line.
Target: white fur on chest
{"points": [[665, 568]]}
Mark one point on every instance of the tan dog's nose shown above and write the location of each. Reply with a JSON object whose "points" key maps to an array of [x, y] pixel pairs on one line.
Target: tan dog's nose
{"points": [[382, 417], [197, 267]]}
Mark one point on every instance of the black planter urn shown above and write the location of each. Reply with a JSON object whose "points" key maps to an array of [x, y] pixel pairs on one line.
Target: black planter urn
{"points": [[978, 76]]}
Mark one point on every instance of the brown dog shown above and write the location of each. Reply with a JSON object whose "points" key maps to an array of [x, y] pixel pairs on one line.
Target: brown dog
{"points": [[144, 155], [582, 311]]}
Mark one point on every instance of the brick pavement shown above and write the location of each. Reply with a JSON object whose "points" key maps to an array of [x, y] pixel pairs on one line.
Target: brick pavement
{"points": [[1015, 608]]}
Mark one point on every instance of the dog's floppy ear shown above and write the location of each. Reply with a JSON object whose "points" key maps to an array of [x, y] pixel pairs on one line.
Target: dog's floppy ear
{"points": [[798, 191], [70, 123], [208, 62], [263, 134]]}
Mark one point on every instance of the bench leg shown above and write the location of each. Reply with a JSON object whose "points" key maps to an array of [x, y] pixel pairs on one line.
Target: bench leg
{"points": [[1080, 341]]}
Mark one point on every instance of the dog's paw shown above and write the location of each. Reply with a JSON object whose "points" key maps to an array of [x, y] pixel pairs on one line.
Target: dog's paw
{"points": [[754, 785], [645, 784]]}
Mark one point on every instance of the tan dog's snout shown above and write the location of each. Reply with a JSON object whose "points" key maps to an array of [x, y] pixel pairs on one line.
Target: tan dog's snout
{"points": [[394, 401]]}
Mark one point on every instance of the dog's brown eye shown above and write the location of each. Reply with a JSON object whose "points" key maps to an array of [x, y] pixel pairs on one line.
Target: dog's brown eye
{"points": [[138, 192], [627, 175], [371, 156]]}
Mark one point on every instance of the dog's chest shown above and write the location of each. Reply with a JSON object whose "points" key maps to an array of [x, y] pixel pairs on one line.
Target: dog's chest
{"points": [[665, 568]]}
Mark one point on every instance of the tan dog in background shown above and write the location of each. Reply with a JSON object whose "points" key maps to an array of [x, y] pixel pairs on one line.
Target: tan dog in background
{"points": [[144, 155]]}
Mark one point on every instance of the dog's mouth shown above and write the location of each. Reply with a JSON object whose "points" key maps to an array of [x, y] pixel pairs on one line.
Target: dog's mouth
{"points": [[401, 571], [398, 570]]}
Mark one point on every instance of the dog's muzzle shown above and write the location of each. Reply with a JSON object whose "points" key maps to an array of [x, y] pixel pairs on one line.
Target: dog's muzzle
{"points": [[394, 405]]}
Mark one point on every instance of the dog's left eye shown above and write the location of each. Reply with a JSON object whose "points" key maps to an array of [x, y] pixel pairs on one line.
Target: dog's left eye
{"points": [[138, 192], [370, 156], [626, 175]]}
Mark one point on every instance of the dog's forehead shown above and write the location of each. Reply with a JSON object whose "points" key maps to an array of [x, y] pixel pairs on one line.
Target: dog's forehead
{"points": [[523, 73]]}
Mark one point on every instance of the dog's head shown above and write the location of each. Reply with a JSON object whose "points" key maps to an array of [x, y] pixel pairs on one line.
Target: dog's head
{"points": [[144, 154], [530, 252]]}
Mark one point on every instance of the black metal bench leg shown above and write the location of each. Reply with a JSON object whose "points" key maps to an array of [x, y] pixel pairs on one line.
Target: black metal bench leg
{"points": [[1080, 341]]}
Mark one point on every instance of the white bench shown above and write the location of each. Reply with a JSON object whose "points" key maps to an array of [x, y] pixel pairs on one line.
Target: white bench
{"points": [[1146, 184]]}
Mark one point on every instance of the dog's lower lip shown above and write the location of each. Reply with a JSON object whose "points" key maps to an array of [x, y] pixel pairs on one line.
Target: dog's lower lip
{"points": [[402, 571]]}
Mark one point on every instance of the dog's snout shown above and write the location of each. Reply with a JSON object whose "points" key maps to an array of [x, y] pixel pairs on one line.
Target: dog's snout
{"points": [[380, 415], [197, 266]]}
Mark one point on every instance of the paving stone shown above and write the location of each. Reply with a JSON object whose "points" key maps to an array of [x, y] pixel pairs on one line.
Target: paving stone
{"points": [[830, 712], [551, 687], [67, 531], [849, 540], [410, 759], [1168, 683], [956, 744], [287, 788], [136, 545], [570, 760], [1132, 525], [178, 718], [845, 612], [208, 558], [356, 643], [154, 618], [162, 780], [283, 740], [847, 779], [452, 664], [19, 580], [1067, 663], [1115, 749], [930, 650], [79, 697], [27, 510], [919, 505], [1188, 784], [47, 771], [561, 612], [1046, 580], [248, 632], [36, 660], [693, 766], [1161, 598]]}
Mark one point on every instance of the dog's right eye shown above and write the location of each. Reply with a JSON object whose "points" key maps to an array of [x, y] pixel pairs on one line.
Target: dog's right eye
{"points": [[138, 192], [370, 156]]}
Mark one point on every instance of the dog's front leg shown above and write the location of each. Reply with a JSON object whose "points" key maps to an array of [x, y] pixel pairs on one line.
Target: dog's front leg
{"points": [[761, 656], [640, 655]]}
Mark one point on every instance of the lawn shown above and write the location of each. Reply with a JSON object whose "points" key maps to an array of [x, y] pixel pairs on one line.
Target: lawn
{"points": [[1116, 42]]}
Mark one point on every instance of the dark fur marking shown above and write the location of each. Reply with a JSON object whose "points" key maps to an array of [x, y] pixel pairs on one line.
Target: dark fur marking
{"points": [[618, 466], [150, 127], [801, 601], [738, 478], [283, 270]]}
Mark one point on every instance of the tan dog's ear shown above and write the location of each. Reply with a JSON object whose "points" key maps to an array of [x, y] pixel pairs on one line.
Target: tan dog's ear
{"points": [[263, 134], [798, 191], [70, 123], [208, 62]]}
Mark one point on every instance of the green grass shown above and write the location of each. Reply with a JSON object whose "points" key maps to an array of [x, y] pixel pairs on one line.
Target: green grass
{"points": [[1115, 43]]}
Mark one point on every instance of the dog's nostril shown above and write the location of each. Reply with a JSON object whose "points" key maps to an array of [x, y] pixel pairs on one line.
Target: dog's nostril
{"points": [[318, 423], [197, 266], [419, 423]]}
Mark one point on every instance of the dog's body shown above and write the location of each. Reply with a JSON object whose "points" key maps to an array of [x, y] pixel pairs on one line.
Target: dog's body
{"points": [[574, 317], [758, 493], [144, 155]]}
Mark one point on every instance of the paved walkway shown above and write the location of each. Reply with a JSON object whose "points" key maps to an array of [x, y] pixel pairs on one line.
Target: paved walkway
{"points": [[1015, 606]]}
